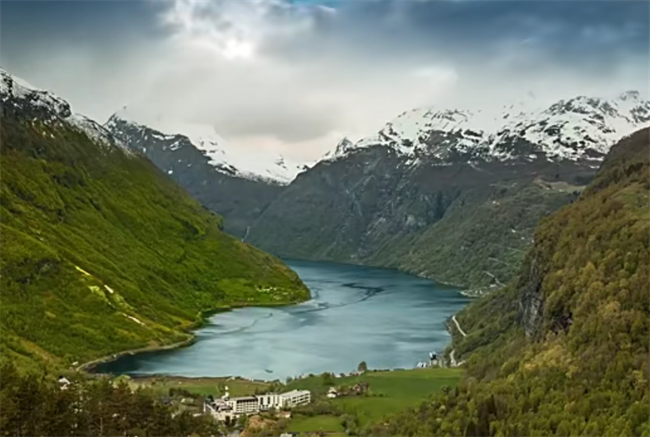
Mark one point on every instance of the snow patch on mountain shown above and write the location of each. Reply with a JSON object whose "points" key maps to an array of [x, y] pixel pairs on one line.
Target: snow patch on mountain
{"points": [[46, 106], [581, 127], [224, 157]]}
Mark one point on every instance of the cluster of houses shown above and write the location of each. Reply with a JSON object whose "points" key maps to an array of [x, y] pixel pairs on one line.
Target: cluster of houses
{"points": [[354, 390], [227, 408], [435, 360]]}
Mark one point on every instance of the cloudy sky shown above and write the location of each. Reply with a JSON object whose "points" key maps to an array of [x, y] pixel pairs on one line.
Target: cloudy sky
{"points": [[295, 76]]}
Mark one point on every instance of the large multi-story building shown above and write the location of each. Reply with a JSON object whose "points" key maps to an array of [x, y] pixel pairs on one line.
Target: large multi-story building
{"points": [[229, 407], [295, 398]]}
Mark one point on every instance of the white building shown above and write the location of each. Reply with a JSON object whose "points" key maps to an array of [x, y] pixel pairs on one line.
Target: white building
{"points": [[244, 405], [220, 412], [295, 398]]}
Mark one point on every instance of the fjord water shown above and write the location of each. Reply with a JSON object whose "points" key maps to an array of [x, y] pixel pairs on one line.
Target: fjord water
{"points": [[386, 318]]}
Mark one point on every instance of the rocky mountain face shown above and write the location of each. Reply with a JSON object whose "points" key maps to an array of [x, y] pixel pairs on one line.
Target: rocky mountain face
{"points": [[451, 195], [222, 189]]}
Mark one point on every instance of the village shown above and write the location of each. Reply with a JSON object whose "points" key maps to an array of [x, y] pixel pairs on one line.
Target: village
{"points": [[228, 409], [302, 405]]}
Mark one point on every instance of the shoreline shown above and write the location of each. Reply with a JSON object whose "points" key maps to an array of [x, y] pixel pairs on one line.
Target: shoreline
{"points": [[89, 366], [380, 267], [204, 315]]}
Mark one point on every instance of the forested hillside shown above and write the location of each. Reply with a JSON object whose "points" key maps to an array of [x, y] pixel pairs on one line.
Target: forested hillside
{"points": [[563, 349], [101, 252]]}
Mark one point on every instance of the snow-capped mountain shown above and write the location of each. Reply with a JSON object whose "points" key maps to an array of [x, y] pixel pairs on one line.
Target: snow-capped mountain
{"points": [[224, 157], [449, 194], [574, 129], [17, 95]]}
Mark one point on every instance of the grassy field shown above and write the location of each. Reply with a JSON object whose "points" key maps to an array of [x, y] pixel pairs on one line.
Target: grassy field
{"points": [[400, 390], [390, 392], [324, 423]]}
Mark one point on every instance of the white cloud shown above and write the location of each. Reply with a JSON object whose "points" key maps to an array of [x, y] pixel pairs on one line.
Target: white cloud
{"points": [[295, 79], [221, 68]]}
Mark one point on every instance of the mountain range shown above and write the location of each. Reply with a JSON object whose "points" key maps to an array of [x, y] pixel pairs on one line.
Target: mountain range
{"points": [[103, 252], [580, 128], [447, 194]]}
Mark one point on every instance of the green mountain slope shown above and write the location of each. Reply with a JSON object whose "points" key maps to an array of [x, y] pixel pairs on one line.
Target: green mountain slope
{"points": [[101, 252], [563, 349]]}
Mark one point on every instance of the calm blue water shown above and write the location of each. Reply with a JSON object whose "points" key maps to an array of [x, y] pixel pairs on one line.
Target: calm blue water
{"points": [[386, 318]]}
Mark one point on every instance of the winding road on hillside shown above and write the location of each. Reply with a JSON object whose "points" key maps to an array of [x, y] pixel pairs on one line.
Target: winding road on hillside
{"points": [[458, 326], [452, 359]]}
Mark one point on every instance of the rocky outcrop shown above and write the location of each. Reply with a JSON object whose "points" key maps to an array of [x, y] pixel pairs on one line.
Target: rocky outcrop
{"points": [[532, 300]]}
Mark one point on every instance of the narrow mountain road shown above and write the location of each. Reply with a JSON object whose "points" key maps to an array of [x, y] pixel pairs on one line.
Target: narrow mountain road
{"points": [[458, 326], [495, 278], [452, 358]]}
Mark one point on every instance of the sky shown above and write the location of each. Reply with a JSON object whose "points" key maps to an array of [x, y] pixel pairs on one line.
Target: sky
{"points": [[295, 76]]}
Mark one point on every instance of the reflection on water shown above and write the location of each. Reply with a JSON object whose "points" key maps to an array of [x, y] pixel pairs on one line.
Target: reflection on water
{"points": [[386, 318]]}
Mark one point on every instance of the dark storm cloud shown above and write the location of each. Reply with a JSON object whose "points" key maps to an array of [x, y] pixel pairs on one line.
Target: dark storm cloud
{"points": [[566, 31]]}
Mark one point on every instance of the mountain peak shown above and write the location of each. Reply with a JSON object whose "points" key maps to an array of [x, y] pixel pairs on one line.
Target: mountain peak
{"points": [[19, 96], [223, 157], [633, 95]]}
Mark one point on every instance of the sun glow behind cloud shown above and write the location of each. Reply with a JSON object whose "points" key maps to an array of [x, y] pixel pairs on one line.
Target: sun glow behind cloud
{"points": [[296, 75], [235, 29], [235, 49]]}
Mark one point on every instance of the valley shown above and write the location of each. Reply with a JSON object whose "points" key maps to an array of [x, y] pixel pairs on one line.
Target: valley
{"points": [[245, 218]]}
